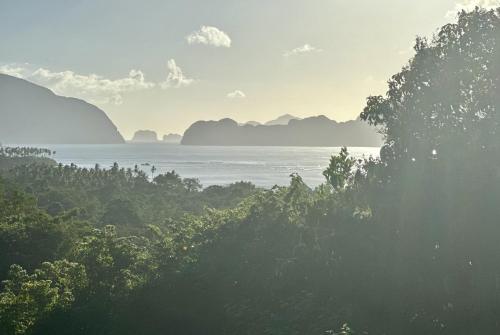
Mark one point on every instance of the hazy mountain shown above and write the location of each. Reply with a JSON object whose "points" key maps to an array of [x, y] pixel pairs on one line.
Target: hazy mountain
{"points": [[172, 138], [253, 123], [33, 114], [282, 120], [313, 131], [145, 136]]}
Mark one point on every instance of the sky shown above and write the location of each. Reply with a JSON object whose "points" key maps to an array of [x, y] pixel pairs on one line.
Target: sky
{"points": [[164, 64]]}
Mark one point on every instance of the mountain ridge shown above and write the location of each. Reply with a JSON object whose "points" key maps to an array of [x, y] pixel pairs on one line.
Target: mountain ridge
{"points": [[33, 114], [282, 120], [312, 131]]}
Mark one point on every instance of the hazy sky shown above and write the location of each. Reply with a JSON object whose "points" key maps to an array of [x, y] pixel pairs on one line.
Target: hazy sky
{"points": [[163, 64]]}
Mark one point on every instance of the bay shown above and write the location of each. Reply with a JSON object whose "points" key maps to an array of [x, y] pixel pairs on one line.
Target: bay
{"points": [[212, 165]]}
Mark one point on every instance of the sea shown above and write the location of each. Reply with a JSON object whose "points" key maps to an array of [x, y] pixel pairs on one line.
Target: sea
{"points": [[212, 165]]}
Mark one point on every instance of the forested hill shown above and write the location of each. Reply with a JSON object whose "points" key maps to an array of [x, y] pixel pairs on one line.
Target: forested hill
{"points": [[313, 131], [34, 114]]}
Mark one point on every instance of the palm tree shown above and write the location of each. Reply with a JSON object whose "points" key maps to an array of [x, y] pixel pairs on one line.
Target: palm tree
{"points": [[153, 170]]}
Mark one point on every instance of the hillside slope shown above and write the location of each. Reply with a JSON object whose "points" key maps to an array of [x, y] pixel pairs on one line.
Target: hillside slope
{"points": [[33, 114]]}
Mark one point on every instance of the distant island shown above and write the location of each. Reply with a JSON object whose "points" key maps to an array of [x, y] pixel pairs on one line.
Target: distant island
{"points": [[150, 136], [312, 131], [251, 123], [172, 138], [145, 136], [282, 120], [32, 114]]}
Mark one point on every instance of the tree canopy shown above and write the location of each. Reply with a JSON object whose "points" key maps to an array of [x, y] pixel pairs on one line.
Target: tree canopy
{"points": [[447, 95]]}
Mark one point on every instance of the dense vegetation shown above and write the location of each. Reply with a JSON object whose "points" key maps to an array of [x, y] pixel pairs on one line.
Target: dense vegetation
{"points": [[404, 244]]}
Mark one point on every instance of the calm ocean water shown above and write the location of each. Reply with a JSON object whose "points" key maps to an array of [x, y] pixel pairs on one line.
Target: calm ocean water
{"points": [[263, 166]]}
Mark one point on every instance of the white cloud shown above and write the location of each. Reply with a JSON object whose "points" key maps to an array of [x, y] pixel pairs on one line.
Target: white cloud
{"points": [[175, 77], [469, 5], [305, 49], [92, 87], [13, 70], [236, 95], [209, 36]]}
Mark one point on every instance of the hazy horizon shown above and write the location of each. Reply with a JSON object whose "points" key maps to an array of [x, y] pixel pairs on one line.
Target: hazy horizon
{"points": [[164, 65]]}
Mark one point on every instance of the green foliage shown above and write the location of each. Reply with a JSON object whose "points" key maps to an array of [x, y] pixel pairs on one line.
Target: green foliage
{"points": [[346, 330], [445, 97], [121, 197], [15, 152], [28, 236], [340, 169], [115, 265], [10, 157], [26, 299]]}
